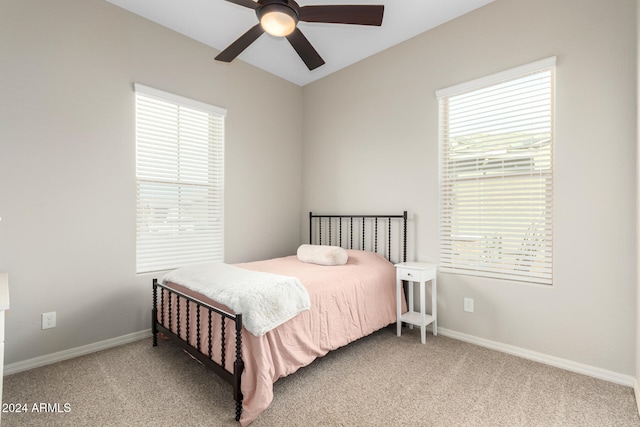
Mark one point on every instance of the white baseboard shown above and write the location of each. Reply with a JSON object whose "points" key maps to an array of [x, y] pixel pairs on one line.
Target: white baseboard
{"points": [[48, 359], [603, 374]]}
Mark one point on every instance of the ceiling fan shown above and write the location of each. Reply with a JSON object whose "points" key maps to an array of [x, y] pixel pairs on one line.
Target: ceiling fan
{"points": [[280, 17]]}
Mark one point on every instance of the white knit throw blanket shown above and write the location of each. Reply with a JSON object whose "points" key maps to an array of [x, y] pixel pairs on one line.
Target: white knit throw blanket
{"points": [[265, 300]]}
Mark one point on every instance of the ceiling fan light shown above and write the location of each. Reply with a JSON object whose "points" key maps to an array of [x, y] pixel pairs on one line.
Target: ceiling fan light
{"points": [[278, 21]]}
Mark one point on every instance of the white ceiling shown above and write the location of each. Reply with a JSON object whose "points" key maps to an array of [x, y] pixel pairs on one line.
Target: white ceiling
{"points": [[218, 23]]}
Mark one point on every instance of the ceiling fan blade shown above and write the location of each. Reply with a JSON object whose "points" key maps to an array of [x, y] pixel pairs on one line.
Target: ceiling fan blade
{"points": [[236, 48], [343, 14], [307, 53], [246, 3]]}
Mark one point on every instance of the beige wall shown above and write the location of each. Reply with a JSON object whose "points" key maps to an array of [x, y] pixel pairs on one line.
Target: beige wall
{"points": [[371, 144], [67, 172]]}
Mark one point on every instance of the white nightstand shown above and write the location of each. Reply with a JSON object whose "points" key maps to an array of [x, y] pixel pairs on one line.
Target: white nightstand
{"points": [[420, 272]]}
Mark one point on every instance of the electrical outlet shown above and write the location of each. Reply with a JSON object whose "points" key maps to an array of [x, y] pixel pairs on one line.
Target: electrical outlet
{"points": [[49, 320], [468, 305]]}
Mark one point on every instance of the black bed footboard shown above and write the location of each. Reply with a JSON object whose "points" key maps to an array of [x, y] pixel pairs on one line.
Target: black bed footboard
{"points": [[175, 314]]}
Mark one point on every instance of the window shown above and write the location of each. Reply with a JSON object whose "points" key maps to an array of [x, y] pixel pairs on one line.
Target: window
{"points": [[496, 175], [179, 177]]}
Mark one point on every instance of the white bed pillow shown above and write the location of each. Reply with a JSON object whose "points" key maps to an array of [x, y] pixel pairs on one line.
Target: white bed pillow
{"points": [[322, 254]]}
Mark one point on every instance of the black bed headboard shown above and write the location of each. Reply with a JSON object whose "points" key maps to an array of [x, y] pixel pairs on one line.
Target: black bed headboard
{"points": [[383, 234]]}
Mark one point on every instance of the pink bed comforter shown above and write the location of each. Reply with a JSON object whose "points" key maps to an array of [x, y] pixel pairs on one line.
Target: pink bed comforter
{"points": [[347, 302]]}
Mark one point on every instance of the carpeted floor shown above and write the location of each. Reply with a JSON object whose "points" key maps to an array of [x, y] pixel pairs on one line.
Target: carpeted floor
{"points": [[380, 380]]}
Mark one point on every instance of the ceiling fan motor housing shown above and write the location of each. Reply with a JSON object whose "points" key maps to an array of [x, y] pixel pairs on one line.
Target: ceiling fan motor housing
{"points": [[289, 8]]}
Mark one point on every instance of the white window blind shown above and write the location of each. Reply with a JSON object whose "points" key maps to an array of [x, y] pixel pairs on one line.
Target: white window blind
{"points": [[496, 175], [180, 173]]}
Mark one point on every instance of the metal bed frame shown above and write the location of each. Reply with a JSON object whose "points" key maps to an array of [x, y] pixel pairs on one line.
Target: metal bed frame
{"points": [[232, 372]]}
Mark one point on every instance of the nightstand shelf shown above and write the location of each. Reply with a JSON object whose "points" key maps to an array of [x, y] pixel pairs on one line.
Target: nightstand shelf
{"points": [[419, 272], [415, 318]]}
